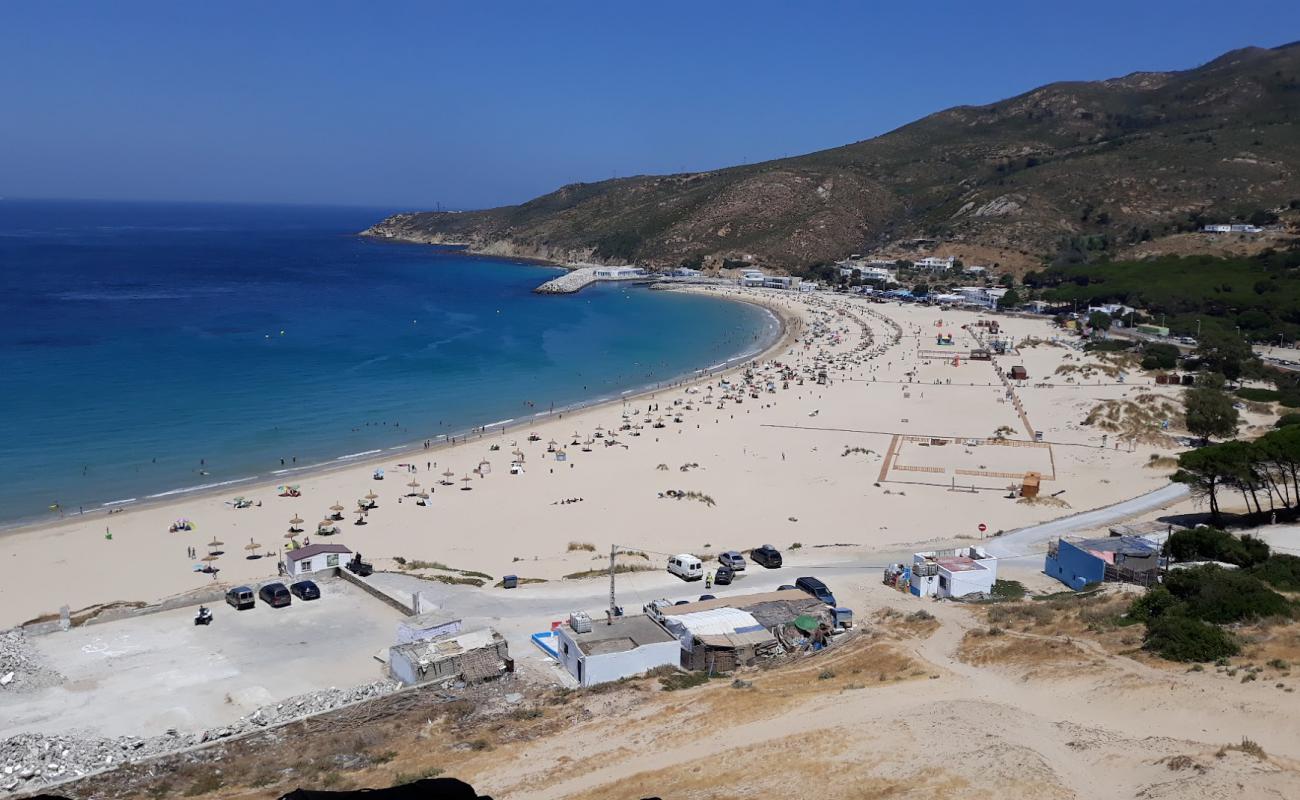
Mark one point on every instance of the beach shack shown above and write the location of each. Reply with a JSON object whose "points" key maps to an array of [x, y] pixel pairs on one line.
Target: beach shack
{"points": [[472, 657], [1031, 483], [1019, 373], [952, 573], [1081, 562], [302, 561], [599, 652]]}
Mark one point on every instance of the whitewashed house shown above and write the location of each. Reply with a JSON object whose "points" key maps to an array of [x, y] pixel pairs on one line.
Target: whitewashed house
{"points": [[303, 561], [603, 651], [952, 573]]}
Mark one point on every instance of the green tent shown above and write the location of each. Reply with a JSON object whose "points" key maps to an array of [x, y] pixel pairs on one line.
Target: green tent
{"points": [[806, 623]]}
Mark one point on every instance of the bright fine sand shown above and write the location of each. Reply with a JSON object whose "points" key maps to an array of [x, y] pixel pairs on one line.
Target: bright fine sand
{"points": [[799, 464]]}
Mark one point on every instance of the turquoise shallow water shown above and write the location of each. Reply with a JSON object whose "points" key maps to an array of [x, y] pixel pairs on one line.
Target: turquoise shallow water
{"points": [[147, 349]]}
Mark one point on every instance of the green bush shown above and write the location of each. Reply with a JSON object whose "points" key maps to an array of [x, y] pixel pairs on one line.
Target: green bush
{"points": [[1160, 356], [1109, 345], [1287, 419], [1155, 603], [1008, 590], [1180, 638], [1259, 395], [1214, 594], [1212, 544], [1281, 571]]}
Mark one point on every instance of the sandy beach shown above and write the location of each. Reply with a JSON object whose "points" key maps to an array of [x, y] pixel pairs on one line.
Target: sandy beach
{"points": [[846, 462]]}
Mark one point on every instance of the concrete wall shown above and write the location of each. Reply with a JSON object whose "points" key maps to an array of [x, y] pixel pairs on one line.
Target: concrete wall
{"points": [[612, 666], [375, 593], [1074, 567], [961, 584]]}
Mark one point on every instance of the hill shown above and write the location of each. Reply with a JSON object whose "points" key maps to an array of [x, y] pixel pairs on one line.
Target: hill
{"points": [[1064, 169]]}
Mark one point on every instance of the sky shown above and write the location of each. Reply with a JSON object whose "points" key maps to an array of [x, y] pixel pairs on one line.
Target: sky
{"points": [[479, 103]]}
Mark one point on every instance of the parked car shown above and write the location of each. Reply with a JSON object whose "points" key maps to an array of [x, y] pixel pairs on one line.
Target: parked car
{"points": [[305, 590], [686, 566], [240, 598], [817, 589], [724, 576], [766, 556], [275, 595], [704, 597], [785, 586], [682, 603], [732, 559]]}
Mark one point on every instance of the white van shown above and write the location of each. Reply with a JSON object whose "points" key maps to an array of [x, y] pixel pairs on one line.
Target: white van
{"points": [[686, 566]]}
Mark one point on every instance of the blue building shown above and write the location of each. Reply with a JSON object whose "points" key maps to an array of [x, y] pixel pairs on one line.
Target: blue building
{"points": [[1114, 558]]}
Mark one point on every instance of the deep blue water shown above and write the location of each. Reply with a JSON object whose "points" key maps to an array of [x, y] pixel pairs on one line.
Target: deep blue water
{"points": [[144, 345]]}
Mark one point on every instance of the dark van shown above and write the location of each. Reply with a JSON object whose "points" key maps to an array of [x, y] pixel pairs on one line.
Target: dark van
{"points": [[275, 595], [817, 589], [240, 598]]}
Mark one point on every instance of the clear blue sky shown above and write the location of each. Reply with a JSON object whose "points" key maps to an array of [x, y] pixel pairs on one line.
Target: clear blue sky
{"points": [[481, 103]]}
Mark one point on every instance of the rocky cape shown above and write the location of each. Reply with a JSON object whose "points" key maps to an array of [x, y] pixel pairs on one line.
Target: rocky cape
{"points": [[1108, 164]]}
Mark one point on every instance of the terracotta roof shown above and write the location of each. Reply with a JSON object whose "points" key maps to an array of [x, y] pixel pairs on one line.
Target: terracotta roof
{"points": [[299, 553]]}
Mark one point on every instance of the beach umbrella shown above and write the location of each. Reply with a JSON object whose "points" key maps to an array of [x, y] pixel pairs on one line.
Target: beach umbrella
{"points": [[290, 535], [445, 476], [423, 495], [296, 520], [465, 480], [325, 524], [209, 559], [336, 507], [370, 495], [215, 543]]}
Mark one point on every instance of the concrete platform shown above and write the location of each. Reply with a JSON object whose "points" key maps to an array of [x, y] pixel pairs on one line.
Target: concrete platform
{"points": [[143, 675]]}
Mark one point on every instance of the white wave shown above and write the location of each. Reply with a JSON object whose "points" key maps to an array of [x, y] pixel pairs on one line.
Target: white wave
{"points": [[351, 456], [200, 487]]}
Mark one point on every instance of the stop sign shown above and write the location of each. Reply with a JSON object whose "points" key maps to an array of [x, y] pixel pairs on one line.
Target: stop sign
{"points": [[983, 527]]}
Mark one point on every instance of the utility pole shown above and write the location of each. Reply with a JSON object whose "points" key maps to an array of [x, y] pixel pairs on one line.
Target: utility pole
{"points": [[613, 609]]}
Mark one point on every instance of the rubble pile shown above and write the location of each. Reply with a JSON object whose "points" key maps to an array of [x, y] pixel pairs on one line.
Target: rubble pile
{"points": [[28, 761], [21, 668]]}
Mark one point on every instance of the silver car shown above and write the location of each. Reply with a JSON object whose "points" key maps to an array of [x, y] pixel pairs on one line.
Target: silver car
{"points": [[732, 559]]}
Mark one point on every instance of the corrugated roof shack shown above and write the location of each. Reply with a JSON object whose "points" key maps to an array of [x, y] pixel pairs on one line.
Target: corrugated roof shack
{"points": [[770, 609], [720, 637], [1080, 562], [470, 657]]}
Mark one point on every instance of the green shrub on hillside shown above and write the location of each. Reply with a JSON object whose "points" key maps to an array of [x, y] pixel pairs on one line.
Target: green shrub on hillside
{"points": [[1180, 638], [1281, 571], [1287, 419], [1212, 544], [1214, 594]]}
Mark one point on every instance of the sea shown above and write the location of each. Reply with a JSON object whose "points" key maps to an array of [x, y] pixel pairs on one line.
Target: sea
{"points": [[151, 350]]}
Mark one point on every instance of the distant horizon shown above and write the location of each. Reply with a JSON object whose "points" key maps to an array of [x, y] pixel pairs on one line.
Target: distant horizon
{"points": [[413, 106]]}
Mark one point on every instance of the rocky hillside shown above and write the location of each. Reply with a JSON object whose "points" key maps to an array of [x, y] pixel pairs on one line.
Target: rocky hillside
{"points": [[1066, 167]]}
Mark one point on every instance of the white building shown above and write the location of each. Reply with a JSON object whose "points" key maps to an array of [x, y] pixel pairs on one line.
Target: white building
{"points": [[935, 263], [981, 296], [618, 272], [953, 573], [975, 270], [781, 282], [1234, 228], [599, 652], [685, 272], [752, 278], [303, 561]]}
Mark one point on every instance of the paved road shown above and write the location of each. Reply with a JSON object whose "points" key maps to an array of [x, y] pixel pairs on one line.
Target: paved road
{"points": [[520, 612], [1025, 540]]}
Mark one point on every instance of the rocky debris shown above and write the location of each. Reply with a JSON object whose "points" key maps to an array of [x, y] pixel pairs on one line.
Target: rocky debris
{"points": [[22, 669], [30, 760]]}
